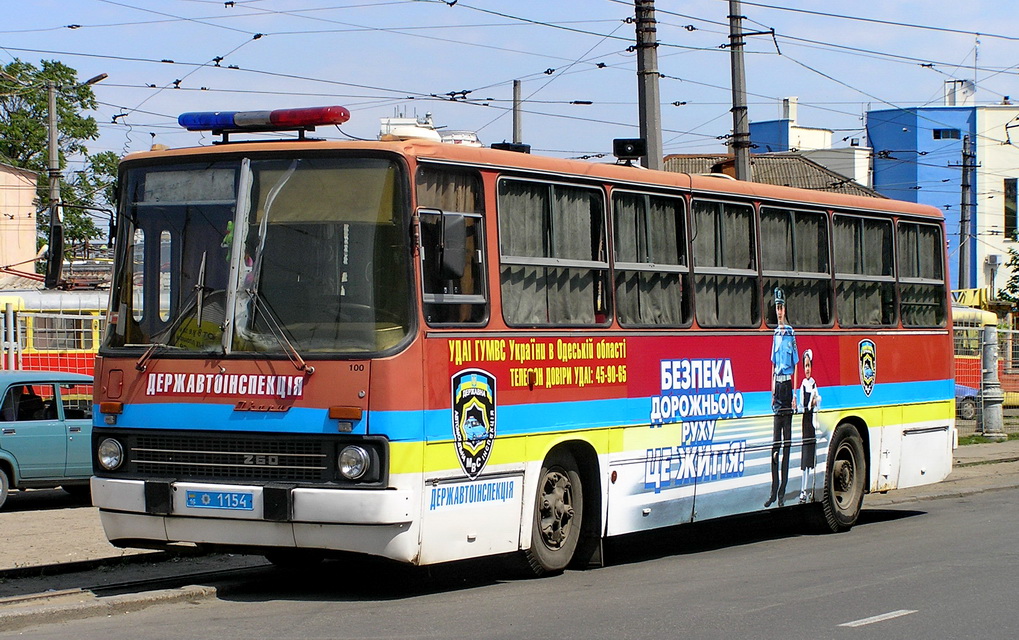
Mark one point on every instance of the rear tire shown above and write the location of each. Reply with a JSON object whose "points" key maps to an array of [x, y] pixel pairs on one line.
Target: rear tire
{"points": [[844, 481], [968, 409], [5, 487], [558, 515]]}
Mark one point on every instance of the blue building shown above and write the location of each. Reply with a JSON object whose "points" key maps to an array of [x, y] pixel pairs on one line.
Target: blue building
{"points": [[918, 156]]}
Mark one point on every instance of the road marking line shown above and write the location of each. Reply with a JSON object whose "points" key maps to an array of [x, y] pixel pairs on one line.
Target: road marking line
{"points": [[880, 618]]}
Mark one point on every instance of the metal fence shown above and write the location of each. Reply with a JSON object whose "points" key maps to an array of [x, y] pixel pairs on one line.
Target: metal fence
{"points": [[970, 377], [50, 341]]}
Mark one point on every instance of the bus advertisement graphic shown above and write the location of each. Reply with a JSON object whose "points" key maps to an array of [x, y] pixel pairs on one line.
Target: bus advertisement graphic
{"points": [[473, 418]]}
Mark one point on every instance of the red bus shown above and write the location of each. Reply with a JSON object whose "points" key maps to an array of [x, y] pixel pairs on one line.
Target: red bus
{"points": [[430, 352]]}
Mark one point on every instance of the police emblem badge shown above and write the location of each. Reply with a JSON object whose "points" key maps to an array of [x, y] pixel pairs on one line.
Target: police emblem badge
{"points": [[868, 365], [473, 418]]}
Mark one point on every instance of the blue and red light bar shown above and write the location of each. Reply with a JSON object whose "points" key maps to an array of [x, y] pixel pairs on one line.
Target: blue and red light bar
{"points": [[302, 118]]}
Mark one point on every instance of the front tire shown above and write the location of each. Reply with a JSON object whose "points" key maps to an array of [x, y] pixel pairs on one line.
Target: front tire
{"points": [[558, 515], [844, 481]]}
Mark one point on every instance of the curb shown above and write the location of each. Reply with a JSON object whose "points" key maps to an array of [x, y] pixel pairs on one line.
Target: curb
{"points": [[89, 605], [42, 570], [977, 463]]}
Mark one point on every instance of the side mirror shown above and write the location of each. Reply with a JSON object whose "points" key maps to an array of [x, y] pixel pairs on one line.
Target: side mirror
{"points": [[452, 246]]}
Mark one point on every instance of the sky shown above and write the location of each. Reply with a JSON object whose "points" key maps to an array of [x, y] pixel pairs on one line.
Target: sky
{"points": [[457, 61]]}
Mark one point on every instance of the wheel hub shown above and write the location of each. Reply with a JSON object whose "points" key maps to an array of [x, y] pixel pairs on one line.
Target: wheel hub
{"points": [[556, 509]]}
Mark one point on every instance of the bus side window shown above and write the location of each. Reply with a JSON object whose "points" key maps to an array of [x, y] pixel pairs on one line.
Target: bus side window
{"points": [[921, 275], [865, 282], [554, 268], [652, 280], [794, 258], [452, 244], [725, 265]]}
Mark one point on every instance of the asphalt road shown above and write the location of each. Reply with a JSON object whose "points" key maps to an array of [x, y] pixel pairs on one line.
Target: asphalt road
{"points": [[945, 567]]}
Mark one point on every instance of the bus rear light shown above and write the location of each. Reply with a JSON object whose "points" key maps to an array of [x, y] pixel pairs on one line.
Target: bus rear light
{"points": [[113, 408]]}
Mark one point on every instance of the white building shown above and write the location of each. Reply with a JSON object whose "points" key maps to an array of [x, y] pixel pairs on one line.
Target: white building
{"points": [[17, 217]]}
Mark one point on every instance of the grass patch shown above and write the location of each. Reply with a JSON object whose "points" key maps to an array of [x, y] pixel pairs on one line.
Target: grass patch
{"points": [[979, 439]]}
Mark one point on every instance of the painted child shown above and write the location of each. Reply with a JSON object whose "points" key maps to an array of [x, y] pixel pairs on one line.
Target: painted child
{"points": [[810, 400]]}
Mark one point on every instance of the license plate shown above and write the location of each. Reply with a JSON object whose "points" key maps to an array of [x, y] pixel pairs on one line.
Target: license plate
{"points": [[232, 500]]}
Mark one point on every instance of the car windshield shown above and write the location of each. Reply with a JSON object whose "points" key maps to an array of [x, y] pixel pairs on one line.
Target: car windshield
{"points": [[263, 255]]}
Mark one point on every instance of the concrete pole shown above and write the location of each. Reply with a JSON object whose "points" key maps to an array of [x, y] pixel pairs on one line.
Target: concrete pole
{"points": [[964, 214], [517, 127], [10, 337], [648, 95], [740, 121], [56, 239], [991, 397]]}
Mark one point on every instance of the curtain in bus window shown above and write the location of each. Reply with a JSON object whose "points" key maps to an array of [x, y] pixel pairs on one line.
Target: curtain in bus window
{"points": [[574, 237], [523, 218], [777, 240], [921, 288], [648, 240], [811, 243], [864, 270], [667, 247], [448, 190], [570, 295], [522, 224], [629, 230], [877, 246], [794, 255], [724, 265], [560, 230], [456, 192]]}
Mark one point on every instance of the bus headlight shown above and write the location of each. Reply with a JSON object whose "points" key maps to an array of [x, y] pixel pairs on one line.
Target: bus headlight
{"points": [[354, 462], [110, 454]]}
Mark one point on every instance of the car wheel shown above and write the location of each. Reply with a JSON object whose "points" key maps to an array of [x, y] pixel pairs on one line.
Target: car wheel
{"points": [[967, 408], [5, 486]]}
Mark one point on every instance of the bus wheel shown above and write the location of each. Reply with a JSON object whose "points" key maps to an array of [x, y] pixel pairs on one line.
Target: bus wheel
{"points": [[558, 515], [5, 486], [844, 481]]}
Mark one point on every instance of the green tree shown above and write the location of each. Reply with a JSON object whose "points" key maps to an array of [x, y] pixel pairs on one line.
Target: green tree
{"points": [[1010, 291], [24, 142]]}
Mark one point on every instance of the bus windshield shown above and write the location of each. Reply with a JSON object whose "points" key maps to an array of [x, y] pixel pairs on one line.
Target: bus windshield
{"points": [[263, 255]]}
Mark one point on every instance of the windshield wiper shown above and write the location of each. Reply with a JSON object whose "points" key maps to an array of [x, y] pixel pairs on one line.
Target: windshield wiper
{"points": [[142, 362], [276, 329]]}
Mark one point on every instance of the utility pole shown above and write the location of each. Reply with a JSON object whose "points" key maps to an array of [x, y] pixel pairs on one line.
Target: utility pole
{"points": [[964, 214], [55, 262], [56, 240], [740, 122], [647, 83], [517, 128]]}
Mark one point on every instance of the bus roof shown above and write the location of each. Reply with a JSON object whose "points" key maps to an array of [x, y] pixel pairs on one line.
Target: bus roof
{"points": [[496, 158], [971, 316]]}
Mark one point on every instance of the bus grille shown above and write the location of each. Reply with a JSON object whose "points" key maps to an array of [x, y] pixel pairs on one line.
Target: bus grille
{"points": [[232, 458]]}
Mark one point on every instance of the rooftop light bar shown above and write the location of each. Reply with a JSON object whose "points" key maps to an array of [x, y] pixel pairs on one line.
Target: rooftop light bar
{"points": [[263, 120]]}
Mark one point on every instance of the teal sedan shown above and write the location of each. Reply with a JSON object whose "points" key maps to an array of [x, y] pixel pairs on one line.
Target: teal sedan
{"points": [[45, 431]]}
